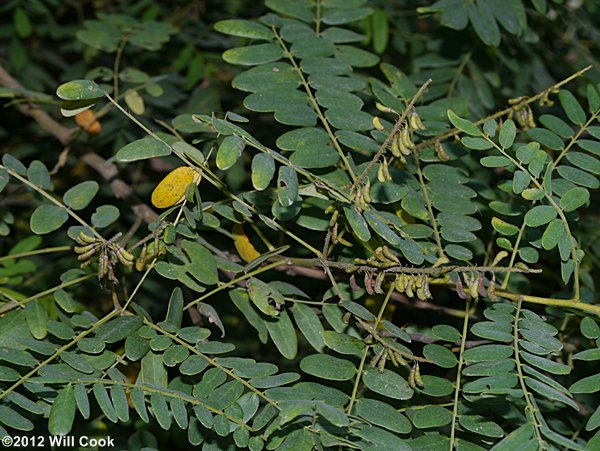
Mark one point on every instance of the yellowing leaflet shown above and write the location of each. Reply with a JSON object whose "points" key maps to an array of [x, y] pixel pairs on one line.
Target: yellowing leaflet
{"points": [[171, 190]]}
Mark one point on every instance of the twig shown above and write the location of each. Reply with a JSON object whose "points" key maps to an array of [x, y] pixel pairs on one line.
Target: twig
{"points": [[391, 135], [65, 136], [504, 112]]}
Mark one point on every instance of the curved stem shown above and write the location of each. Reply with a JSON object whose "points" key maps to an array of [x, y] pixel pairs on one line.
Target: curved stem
{"points": [[458, 372], [530, 407], [436, 232]]}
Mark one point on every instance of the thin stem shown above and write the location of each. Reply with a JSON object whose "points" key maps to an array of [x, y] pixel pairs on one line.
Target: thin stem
{"points": [[47, 250], [315, 104], [553, 203], [530, 407], [436, 232], [504, 112], [52, 199], [463, 340], [361, 366], [57, 353], [353, 267], [593, 309], [458, 73], [118, 56], [12, 305], [212, 362], [514, 254], [232, 282], [166, 392], [384, 305]]}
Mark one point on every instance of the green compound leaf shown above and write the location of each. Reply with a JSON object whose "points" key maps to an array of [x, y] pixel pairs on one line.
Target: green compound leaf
{"points": [[80, 196], [79, 90], [464, 125], [263, 170], [440, 355], [572, 108], [142, 149], [387, 383], [253, 55], [507, 134], [540, 215], [244, 29], [328, 367], [48, 218], [357, 223], [574, 198], [229, 151], [281, 331], [105, 215]]}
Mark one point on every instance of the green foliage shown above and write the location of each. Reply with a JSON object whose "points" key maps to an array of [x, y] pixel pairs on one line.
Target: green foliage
{"points": [[386, 236]]}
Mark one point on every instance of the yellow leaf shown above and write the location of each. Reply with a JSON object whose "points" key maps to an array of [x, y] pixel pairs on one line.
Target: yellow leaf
{"points": [[243, 245], [171, 190]]}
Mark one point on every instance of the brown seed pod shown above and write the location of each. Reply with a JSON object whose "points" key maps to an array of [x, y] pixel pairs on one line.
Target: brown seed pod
{"points": [[441, 152], [102, 265], [460, 290], [140, 263], [392, 357], [415, 121], [375, 359], [491, 290], [369, 283], [85, 249], [383, 108], [410, 286], [353, 283], [480, 286], [379, 282], [124, 257], [87, 255]]}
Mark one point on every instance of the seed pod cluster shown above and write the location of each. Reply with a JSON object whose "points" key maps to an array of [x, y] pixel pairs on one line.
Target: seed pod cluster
{"points": [[149, 253], [383, 172], [382, 257], [413, 285], [402, 144], [363, 195], [415, 121], [109, 253], [383, 355], [524, 117], [414, 377]]}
